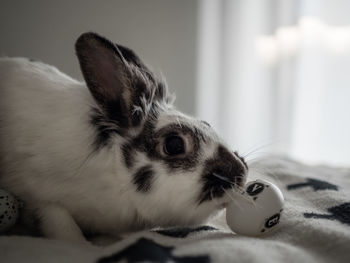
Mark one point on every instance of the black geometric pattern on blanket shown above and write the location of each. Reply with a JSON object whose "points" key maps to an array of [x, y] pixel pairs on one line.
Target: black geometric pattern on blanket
{"points": [[315, 184], [145, 250], [183, 232], [340, 213]]}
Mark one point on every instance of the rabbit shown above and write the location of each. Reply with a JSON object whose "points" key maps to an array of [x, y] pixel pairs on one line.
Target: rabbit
{"points": [[109, 156]]}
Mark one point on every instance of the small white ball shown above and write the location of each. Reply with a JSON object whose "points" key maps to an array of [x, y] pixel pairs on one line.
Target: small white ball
{"points": [[257, 210], [8, 210]]}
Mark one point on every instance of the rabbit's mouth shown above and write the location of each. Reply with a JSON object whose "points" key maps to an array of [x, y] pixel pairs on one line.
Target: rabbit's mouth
{"points": [[222, 174], [218, 186]]}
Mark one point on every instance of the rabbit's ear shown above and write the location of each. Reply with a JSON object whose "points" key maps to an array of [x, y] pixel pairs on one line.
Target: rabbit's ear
{"points": [[114, 81], [131, 57]]}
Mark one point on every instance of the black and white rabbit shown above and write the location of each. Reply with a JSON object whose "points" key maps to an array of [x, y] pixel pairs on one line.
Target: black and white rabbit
{"points": [[111, 155]]}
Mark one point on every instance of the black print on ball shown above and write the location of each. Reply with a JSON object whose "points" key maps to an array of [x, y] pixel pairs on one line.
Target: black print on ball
{"points": [[255, 189], [273, 220]]}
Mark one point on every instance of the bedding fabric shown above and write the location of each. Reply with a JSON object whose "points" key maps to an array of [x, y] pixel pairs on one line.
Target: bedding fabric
{"points": [[315, 227]]}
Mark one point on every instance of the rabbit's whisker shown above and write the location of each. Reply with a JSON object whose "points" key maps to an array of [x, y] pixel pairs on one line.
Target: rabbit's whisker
{"points": [[223, 178], [257, 148], [233, 200]]}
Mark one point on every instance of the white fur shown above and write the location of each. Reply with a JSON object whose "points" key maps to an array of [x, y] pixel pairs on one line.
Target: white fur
{"points": [[46, 160]]}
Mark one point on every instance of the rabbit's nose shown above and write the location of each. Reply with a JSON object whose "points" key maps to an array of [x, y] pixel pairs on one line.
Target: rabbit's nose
{"points": [[241, 159]]}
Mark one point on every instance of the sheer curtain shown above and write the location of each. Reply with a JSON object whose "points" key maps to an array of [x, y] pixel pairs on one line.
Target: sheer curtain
{"points": [[274, 76]]}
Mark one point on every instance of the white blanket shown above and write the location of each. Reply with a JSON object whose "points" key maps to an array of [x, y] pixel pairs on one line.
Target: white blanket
{"points": [[315, 227]]}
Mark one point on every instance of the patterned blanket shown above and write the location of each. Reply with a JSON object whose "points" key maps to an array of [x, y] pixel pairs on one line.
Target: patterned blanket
{"points": [[315, 227]]}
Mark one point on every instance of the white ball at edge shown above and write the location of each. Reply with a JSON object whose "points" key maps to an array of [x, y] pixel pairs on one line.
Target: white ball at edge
{"points": [[257, 210]]}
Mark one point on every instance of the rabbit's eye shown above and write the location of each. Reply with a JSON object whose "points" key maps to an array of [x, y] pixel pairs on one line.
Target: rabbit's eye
{"points": [[174, 145]]}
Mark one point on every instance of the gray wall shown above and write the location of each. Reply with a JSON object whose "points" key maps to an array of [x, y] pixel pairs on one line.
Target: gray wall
{"points": [[162, 32]]}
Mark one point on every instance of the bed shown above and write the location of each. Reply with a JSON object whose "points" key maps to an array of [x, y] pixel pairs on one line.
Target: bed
{"points": [[315, 227]]}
